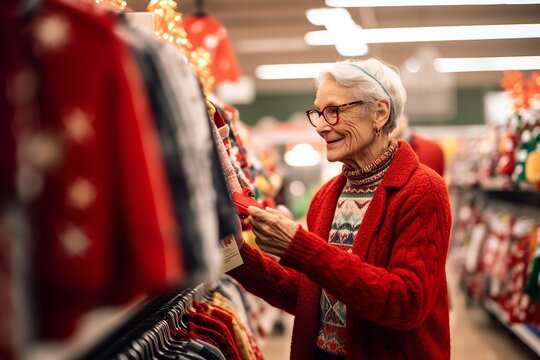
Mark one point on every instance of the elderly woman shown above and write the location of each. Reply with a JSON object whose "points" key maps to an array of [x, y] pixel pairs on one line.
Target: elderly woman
{"points": [[366, 279]]}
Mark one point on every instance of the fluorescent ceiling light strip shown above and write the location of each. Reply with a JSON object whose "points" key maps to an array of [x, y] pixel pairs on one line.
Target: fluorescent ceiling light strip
{"points": [[290, 71], [311, 70], [399, 3], [430, 33], [271, 45], [487, 64]]}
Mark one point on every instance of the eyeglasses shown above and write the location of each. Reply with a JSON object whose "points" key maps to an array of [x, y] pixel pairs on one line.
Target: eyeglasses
{"points": [[329, 113]]}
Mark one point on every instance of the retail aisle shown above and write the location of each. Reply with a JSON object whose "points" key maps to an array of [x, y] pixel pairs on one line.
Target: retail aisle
{"points": [[474, 334]]}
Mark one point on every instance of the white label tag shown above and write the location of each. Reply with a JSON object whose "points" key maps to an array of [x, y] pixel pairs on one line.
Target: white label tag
{"points": [[231, 254]]}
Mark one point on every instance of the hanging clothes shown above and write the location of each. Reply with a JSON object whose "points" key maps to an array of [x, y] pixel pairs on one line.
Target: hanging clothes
{"points": [[91, 174], [202, 204], [115, 164]]}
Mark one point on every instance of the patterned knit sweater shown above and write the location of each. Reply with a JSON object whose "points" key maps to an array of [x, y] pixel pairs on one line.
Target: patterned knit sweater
{"points": [[351, 207]]}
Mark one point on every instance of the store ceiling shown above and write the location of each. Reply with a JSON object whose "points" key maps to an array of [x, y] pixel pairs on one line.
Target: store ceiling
{"points": [[285, 20]]}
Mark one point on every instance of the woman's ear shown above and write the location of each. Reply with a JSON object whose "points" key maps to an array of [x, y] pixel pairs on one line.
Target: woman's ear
{"points": [[382, 114]]}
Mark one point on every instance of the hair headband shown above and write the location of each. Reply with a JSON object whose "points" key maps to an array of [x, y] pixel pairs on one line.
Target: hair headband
{"points": [[392, 105]]}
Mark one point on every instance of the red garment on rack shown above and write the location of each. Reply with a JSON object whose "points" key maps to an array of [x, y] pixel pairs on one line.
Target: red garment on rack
{"points": [[210, 34], [104, 230], [205, 327]]}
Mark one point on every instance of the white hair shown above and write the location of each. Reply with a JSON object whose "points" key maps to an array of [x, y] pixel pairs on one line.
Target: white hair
{"points": [[364, 87]]}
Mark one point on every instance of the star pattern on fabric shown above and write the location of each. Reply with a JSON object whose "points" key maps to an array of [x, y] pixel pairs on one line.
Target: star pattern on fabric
{"points": [[78, 126], [81, 194], [74, 241], [52, 32], [43, 149]]}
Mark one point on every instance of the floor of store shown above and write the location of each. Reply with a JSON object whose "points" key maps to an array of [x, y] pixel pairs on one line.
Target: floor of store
{"points": [[474, 333]]}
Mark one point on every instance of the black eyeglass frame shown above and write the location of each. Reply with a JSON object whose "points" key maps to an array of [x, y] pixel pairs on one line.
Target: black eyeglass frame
{"points": [[336, 107]]}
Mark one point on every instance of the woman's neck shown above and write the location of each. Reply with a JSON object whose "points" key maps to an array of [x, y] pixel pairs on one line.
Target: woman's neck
{"points": [[370, 154]]}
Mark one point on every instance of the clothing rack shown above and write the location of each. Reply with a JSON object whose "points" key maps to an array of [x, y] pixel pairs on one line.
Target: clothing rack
{"points": [[154, 316]]}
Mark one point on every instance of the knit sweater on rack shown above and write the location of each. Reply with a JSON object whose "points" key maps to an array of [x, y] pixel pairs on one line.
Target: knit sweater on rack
{"points": [[393, 282], [351, 207]]}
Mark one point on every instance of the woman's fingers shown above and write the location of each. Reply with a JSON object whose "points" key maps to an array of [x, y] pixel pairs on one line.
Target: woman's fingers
{"points": [[256, 212]]}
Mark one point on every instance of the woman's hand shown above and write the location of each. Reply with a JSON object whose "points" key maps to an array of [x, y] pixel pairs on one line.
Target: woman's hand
{"points": [[274, 231]]}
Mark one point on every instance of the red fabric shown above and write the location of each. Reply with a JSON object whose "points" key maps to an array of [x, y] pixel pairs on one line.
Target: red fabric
{"points": [[203, 325], [129, 223], [393, 283], [210, 34], [7, 311], [222, 315], [429, 152], [12, 61]]}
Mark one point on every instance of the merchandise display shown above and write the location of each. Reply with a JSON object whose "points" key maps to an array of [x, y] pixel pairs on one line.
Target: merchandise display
{"points": [[496, 232], [115, 189]]}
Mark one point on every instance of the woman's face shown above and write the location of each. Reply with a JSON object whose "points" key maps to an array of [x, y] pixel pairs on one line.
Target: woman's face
{"points": [[351, 139]]}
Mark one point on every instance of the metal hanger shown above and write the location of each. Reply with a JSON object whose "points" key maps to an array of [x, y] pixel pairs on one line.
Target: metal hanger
{"points": [[199, 5], [163, 349], [164, 327], [146, 349], [155, 346]]}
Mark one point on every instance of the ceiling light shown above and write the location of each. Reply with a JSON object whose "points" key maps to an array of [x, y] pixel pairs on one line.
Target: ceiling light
{"points": [[431, 33], [412, 65], [351, 48], [329, 16], [386, 3], [290, 71], [311, 70], [487, 64], [267, 45], [340, 23]]}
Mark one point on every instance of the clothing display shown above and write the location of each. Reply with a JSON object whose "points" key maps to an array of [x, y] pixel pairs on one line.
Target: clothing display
{"points": [[118, 172], [198, 323], [98, 216], [123, 170]]}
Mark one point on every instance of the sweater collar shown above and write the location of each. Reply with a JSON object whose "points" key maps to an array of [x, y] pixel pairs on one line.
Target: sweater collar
{"points": [[374, 171], [401, 168]]}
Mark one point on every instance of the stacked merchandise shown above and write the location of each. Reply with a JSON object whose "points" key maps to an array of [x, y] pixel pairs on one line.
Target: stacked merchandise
{"points": [[496, 249], [495, 190], [508, 155], [111, 186]]}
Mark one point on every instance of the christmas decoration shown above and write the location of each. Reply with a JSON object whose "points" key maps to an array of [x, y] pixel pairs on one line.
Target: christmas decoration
{"points": [[169, 26]]}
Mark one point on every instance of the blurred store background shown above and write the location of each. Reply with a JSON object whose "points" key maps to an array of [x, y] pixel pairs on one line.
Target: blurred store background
{"points": [[472, 74]]}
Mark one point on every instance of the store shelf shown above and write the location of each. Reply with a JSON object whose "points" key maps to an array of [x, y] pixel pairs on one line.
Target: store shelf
{"points": [[522, 331], [526, 195]]}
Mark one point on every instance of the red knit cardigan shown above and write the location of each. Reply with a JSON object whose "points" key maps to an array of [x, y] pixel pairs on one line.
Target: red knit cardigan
{"points": [[393, 283]]}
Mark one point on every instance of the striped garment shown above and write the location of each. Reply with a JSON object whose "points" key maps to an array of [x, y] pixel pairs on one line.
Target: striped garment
{"points": [[351, 207]]}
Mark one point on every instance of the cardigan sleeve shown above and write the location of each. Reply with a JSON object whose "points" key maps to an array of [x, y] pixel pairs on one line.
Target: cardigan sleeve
{"points": [[401, 294], [264, 277]]}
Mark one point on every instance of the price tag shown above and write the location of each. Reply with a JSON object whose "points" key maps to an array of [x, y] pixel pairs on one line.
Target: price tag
{"points": [[231, 254]]}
